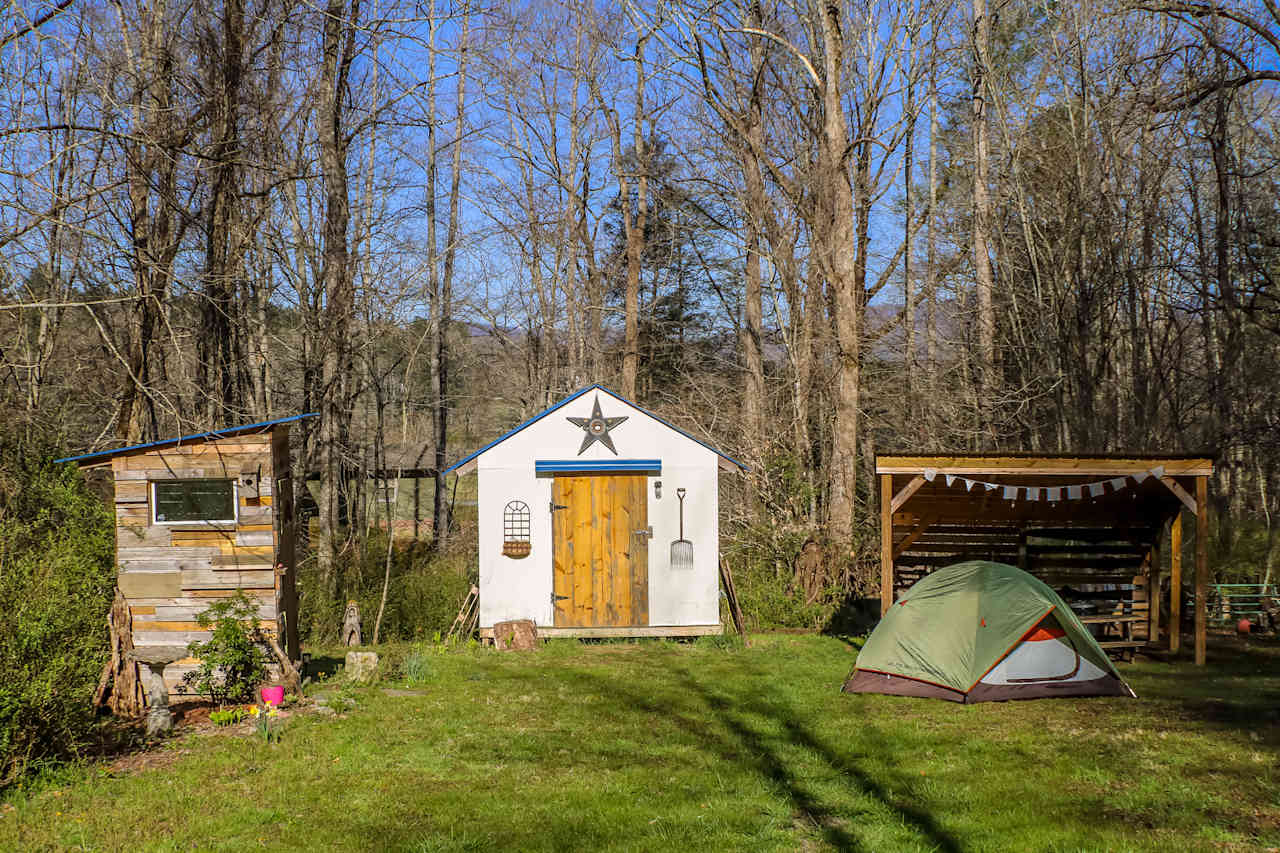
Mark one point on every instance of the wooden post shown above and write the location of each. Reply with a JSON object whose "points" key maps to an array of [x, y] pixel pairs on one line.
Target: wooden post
{"points": [[886, 543], [1175, 583], [1202, 565], [1153, 591]]}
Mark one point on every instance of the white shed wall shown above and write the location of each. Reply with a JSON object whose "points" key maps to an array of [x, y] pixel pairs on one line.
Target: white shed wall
{"points": [[521, 588]]}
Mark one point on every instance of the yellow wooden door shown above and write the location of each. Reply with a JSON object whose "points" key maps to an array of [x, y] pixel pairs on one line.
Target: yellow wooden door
{"points": [[600, 564]]}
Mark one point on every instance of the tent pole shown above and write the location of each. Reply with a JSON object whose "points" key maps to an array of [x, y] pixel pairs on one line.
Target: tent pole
{"points": [[886, 543], [1175, 583], [1202, 565]]}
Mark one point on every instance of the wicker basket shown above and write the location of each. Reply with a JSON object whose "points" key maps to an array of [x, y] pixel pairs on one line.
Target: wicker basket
{"points": [[516, 550]]}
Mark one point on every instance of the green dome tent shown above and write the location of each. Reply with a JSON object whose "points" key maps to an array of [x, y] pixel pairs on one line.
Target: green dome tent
{"points": [[983, 632]]}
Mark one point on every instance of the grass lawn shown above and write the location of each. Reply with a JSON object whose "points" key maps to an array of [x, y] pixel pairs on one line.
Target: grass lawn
{"points": [[665, 746]]}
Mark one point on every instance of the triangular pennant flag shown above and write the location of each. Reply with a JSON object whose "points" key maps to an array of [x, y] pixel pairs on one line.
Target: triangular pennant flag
{"points": [[1011, 493], [1052, 494], [1158, 472], [990, 487], [968, 485], [950, 479], [930, 473], [1119, 483], [1096, 489], [1141, 475], [1074, 493]]}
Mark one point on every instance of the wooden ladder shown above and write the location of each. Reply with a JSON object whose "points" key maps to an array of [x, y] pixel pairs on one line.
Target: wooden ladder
{"points": [[465, 623]]}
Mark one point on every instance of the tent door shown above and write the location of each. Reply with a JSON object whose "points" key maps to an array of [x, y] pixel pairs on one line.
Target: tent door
{"points": [[600, 563]]}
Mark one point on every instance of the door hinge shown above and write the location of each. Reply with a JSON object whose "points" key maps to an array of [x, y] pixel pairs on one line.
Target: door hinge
{"points": [[644, 533], [555, 598], [555, 506]]}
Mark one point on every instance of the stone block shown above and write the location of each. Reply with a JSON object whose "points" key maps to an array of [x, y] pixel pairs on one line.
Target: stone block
{"points": [[361, 666]]}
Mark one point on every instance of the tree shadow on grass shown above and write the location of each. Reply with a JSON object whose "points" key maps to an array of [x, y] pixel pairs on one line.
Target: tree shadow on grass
{"points": [[1238, 691], [762, 753]]}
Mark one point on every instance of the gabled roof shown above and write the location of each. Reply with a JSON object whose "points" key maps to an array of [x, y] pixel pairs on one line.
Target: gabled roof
{"points": [[464, 465], [101, 456]]}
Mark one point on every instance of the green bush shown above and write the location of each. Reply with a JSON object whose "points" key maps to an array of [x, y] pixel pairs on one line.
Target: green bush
{"points": [[57, 574], [232, 662], [423, 598]]}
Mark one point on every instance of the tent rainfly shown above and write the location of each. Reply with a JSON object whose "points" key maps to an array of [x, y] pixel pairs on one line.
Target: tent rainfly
{"points": [[983, 632]]}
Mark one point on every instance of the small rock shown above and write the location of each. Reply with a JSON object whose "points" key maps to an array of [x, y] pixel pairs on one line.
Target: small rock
{"points": [[361, 665]]}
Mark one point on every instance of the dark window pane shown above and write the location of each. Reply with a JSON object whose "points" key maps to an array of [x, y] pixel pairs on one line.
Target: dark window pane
{"points": [[195, 500]]}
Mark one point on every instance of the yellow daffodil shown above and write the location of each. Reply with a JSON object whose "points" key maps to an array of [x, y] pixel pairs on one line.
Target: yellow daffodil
{"points": [[253, 711]]}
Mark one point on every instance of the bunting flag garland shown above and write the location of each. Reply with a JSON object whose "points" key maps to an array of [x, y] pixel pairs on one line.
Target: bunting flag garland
{"points": [[1052, 494]]}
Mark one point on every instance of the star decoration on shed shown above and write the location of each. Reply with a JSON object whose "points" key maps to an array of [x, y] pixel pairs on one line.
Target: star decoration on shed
{"points": [[597, 428]]}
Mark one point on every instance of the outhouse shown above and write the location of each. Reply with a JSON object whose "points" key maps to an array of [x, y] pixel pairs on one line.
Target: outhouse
{"points": [[197, 518], [579, 509]]}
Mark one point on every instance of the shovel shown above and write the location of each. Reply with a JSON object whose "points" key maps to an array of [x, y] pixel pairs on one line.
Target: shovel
{"points": [[681, 549]]}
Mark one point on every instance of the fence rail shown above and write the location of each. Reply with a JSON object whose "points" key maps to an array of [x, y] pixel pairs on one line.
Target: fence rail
{"points": [[1228, 603]]}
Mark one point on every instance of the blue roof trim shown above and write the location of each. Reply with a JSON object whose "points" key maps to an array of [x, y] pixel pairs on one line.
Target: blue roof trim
{"points": [[185, 439], [575, 395], [556, 466]]}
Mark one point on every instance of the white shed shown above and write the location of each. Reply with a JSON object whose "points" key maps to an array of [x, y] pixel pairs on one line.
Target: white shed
{"points": [[579, 507]]}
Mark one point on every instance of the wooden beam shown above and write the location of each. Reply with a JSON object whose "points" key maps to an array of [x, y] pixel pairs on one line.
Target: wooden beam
{"points": [[1067, 466], [1202, 566], [1175, 583], [886, 542], [916, 532], [907, 491], [547, 631], [1153, 594], [1180, 493]]}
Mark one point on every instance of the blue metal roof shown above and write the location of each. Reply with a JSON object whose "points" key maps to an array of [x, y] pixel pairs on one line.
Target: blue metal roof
{"points": [[575, 395], [565, 466], [103, 455]]}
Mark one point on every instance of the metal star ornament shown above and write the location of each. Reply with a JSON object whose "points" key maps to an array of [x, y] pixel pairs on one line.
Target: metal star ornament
{"points": [[597, 428]]}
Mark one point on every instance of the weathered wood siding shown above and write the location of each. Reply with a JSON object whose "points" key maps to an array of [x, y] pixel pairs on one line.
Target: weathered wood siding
{"points": [[170, 573]]}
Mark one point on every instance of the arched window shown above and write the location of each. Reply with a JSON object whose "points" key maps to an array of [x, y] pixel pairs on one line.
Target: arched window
{"points": [[515, 529]]}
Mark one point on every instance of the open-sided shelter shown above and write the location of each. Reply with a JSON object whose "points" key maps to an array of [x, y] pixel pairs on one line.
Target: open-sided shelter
{"points": [[1075, 522], [980, 631], [197, 518], [579, 508]]}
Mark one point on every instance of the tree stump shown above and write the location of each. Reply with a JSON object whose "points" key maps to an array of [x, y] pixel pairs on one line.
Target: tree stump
{"points": [[120, 686], [516, 635], [351, 625]]}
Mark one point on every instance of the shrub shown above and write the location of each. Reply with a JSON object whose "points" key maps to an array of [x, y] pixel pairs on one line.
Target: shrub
{"points": [[426, 590], [56, 580], [227, 716], [232, 662]]}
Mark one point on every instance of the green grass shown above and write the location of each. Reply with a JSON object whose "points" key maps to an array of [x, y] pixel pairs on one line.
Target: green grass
{"points": [[664, 746]]}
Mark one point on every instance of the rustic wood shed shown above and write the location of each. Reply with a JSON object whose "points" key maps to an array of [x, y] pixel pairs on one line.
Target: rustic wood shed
{"points": [[197, 518], [1093, 526], [579, 508]]}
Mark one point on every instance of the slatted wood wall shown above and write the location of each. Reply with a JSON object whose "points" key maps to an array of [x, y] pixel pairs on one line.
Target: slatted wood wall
{"points": [[169, 573]]}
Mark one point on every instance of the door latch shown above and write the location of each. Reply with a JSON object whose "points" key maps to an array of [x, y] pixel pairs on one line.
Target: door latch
{"points": [[555, 506], [643, 533], [555, 598]]}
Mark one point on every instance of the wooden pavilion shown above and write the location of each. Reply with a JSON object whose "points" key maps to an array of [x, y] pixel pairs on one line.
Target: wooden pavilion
{"points": [[1092, 527]]}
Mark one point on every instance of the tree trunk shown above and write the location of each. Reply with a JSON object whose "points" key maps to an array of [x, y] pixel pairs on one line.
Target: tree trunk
{"points": [[335, 275], [984, 279]]}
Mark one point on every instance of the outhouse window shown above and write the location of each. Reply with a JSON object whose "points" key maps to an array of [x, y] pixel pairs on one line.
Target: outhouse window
{"points": [[515, 529], [178, 501]]}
